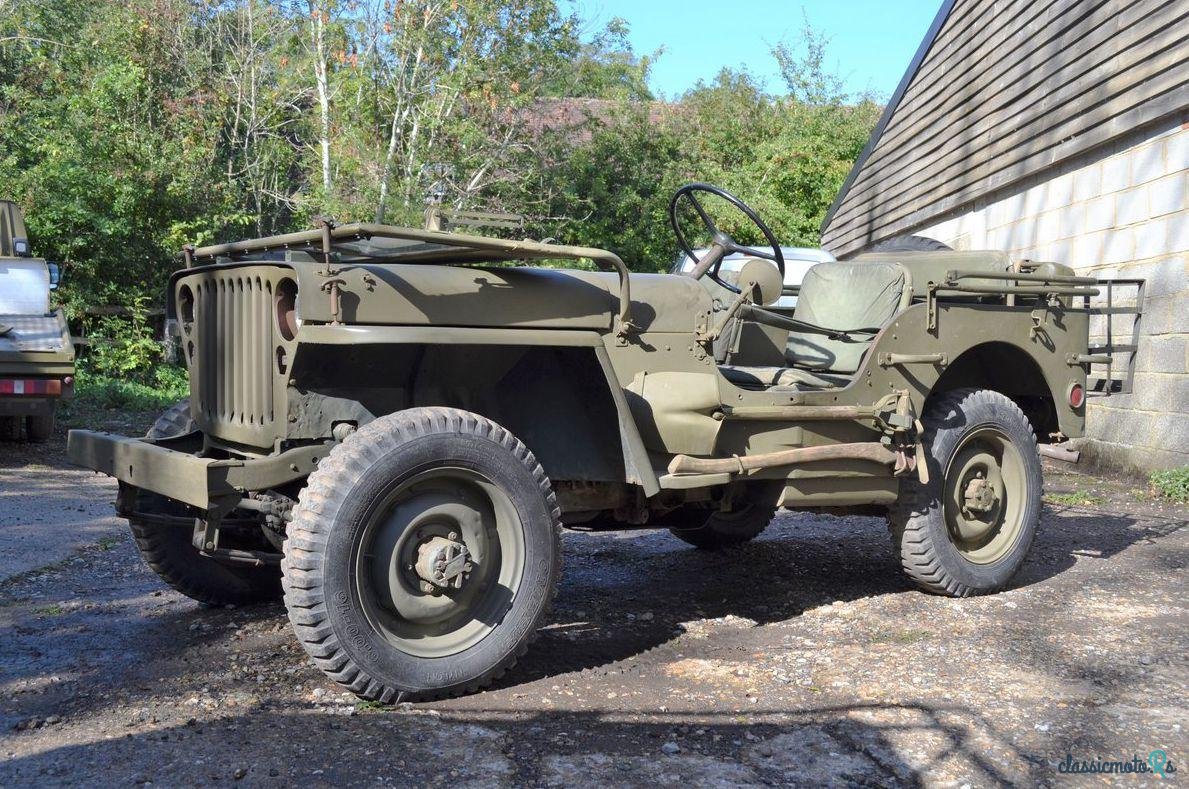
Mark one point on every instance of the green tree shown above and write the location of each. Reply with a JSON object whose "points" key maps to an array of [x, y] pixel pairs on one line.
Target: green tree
{"points": [[105, 141], [613, 190], [603, 67]]}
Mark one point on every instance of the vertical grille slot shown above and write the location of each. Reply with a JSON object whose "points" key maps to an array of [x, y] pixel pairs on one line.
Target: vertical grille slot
{"points": [[233, 317]]}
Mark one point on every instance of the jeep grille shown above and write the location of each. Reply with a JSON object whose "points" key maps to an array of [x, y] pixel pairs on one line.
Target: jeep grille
{"points": [[232, 384]]}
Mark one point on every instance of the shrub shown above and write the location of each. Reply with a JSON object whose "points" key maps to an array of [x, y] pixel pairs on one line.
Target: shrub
{"points": [[123, 346], [91, 390], [1172, 483]]}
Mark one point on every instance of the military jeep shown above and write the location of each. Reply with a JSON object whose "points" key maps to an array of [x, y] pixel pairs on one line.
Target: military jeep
{"points": [[392, 425], [36, 352]]}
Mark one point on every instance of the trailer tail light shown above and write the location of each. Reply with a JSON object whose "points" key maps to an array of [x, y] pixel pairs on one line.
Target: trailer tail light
{"points": [[40, 387], [1077, 395]]}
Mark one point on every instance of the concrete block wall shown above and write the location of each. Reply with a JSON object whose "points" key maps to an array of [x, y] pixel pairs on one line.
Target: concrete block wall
{"points": [[1121, 211]]}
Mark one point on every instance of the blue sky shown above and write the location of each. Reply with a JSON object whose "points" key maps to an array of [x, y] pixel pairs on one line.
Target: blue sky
{"points": [[871, 42]]}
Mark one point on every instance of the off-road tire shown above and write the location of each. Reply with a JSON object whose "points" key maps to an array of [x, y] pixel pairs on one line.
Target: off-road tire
{"points": [[10, 428], [39, 428], [168, 550], [917, 523], [331, 520], [712, 530], [911, 244], [174, 421]]}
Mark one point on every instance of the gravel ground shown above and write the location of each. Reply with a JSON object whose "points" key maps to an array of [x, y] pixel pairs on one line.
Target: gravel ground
{"points": [[801, 658]]}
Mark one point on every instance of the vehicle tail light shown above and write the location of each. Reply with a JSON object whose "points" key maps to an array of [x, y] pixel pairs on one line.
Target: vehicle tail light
{"points": [[1077, 395], [31, 386]]}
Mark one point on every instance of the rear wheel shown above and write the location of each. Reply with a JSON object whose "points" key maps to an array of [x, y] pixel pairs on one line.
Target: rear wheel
{"points": [[911, 244], [163, 530], [714, 529], [968, 531], [422, 556]]}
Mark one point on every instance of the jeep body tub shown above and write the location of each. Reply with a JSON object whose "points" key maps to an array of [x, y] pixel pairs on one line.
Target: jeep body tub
{"points": [[602, 373]]}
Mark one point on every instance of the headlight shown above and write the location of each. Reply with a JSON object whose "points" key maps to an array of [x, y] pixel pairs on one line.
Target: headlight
{"points": [[286, 309]]}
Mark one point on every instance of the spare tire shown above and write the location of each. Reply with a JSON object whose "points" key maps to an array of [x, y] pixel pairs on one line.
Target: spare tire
{"points": [[911, 244]]}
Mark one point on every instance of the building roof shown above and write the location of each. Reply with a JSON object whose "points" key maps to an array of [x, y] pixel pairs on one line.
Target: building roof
{"points": [[894, 102], [1001, 91]]}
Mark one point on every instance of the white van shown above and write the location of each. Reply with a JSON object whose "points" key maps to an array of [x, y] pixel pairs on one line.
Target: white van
{"points": [[797, 260]]}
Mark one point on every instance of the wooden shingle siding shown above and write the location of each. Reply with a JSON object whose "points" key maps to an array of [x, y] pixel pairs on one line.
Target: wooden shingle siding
{"points": [[1004, 90]]}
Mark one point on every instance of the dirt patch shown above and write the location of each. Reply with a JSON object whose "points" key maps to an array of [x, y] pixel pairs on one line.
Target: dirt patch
{"points": [[801, 658]]}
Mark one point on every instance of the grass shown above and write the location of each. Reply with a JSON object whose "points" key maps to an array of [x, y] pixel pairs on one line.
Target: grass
{"points": [[96, 394], [1076, 498], [107, 543], [1172, 484], [168, 385], [51, 610], [368, 705]]}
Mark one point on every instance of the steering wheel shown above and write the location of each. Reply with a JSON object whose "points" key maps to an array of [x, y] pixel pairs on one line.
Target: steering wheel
{"points": [[722, 244]]}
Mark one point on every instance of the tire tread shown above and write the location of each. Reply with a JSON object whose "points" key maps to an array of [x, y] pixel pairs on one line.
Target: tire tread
{"points": [[326, 490], [908, 517]]}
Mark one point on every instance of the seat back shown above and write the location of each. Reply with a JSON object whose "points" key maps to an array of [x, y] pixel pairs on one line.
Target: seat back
{"points": [[844, 295], [926, 267]]}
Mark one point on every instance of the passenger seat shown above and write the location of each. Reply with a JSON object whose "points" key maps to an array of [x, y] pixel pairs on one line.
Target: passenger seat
{"points": [[842, 295]]}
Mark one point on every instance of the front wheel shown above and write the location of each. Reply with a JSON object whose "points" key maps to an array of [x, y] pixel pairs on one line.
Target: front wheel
{"points": [[968, 531], [163, 531], [422, 556]]}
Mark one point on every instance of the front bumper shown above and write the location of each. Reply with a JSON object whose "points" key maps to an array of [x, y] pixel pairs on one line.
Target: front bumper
{"points": [[210, 484]]}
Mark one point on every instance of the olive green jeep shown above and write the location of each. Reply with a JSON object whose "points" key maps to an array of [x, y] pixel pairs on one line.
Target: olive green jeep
{"points": [[392, 425]]}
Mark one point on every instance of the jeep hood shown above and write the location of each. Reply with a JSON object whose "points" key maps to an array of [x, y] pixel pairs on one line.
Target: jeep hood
{"points": [[512, 297]]}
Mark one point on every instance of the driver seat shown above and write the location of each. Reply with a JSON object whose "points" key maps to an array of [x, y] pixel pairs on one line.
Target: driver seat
{"points": [[840, 295]]}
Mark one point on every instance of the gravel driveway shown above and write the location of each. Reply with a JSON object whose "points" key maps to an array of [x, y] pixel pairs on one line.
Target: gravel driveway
{"points": [[801, 658]]}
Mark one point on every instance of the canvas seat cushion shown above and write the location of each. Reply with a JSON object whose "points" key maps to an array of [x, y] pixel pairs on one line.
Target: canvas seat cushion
{"points": [[843, 295]]}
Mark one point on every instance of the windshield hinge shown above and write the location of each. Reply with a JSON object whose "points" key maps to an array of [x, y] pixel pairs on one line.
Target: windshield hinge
{"points": [[332, 286]]}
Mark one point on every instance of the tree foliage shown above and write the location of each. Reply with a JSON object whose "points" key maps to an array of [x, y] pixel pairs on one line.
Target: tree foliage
{"points": [[131, 127]]}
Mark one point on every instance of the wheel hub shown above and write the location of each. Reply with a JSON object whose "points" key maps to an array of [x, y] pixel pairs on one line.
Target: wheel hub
{"points": [[979, 496], [983, 502], [443, 563]]}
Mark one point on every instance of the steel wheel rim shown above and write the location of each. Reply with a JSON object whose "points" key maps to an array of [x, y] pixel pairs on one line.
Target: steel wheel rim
{"points": [[433, 505], [983, 496]]}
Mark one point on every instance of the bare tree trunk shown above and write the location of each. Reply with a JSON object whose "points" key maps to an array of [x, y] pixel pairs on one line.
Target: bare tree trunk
{"points": [[318, 18], [400, 114], [386, 173]]}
